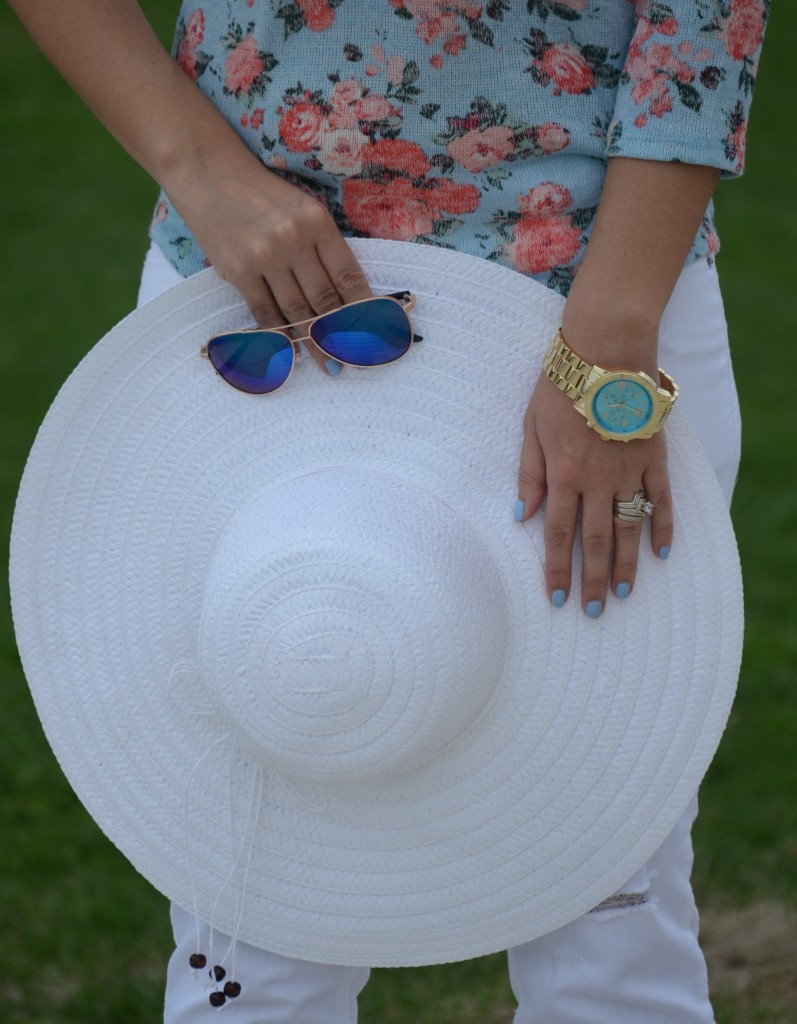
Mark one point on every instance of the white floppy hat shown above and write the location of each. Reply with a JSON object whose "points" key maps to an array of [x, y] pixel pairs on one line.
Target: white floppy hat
{"points": [[297, 659]]}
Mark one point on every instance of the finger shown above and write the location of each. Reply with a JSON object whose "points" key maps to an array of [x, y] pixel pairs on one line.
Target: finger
{"points": [[531, 475], [656, 484], [297, 307], [261, 302], [597, 540], [324, 296], [559, 533], [347, 276], [626, 552]]}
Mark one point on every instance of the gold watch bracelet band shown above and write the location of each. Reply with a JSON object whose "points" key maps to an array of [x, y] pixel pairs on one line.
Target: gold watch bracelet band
{"points": [[570, 373]]}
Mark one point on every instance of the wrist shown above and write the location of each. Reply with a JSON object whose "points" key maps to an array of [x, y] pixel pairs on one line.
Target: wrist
{"points": [[613, 343], [195, 144]]}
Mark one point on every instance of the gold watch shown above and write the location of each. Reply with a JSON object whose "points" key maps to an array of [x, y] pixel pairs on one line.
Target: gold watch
{"points": [[620, 405]]}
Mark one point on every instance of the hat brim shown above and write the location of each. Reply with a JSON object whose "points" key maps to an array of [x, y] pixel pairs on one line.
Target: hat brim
{"points": [[591, 749]]}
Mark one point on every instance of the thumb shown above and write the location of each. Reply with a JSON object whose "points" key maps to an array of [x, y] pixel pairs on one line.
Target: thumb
{"points": [[531, 476]]}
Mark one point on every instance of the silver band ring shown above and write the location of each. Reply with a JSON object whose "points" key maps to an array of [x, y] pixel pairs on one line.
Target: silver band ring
{"points": [[633, 511]]}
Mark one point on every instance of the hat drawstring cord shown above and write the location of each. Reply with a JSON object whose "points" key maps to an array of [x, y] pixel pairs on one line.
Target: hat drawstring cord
{"points": [[243, 854], [252, 823], [198, 961]]}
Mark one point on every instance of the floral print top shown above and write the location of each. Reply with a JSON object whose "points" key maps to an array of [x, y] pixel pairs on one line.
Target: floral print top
{"points": [[480, 126]]}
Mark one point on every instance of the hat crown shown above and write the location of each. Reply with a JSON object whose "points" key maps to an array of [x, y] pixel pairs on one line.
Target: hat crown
{"points": [[352, 626]]}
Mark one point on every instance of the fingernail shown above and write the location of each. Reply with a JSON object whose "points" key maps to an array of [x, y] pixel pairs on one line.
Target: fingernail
{"points": [[622, 590], [558, 598], [664, 551], [520, 508], [594, 609], [333, 367]]}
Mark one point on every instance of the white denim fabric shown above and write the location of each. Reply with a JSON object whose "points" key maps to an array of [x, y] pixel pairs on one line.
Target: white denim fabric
{"points": [[633, 960]]}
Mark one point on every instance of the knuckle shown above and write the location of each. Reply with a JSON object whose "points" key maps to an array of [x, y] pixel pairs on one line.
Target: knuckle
{"points": [[596, 544], [297, 311], [624, 529], [349, 278], [259, 248], [531, 476], [559, 538], [326, 299], [594, 585], [315, 216], [266, 314], [662, 501], [285, 234], [568, 475]]}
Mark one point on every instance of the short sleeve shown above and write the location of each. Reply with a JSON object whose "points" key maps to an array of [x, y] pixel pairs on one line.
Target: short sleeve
{"points": [[687, 82]]}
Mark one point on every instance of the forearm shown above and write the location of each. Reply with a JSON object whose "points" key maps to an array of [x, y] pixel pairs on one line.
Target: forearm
{"points": [[647, 218], [107, 51]]}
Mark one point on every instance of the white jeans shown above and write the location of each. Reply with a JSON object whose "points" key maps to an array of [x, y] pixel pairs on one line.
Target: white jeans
{"points": [[635, 959]]}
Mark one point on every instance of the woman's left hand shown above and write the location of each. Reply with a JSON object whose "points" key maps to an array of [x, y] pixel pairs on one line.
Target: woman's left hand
{"points": [[579, 470]]}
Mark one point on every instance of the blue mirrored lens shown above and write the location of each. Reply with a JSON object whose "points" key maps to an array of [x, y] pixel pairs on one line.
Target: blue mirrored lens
{"points": [[367, 334], [256, 361]]}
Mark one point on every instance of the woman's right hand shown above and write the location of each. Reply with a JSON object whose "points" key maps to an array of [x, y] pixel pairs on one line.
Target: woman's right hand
{"points": [[276, 244]]}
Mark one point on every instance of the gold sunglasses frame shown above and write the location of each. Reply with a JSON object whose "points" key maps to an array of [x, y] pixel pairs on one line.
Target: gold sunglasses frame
{"points": [[405, 299]]}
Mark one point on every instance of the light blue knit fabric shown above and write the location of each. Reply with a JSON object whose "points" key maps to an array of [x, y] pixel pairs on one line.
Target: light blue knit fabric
{"points": [[484, 128]]}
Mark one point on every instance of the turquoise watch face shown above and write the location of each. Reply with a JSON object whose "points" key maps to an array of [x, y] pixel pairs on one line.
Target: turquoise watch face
{"points": [[622, 406]]}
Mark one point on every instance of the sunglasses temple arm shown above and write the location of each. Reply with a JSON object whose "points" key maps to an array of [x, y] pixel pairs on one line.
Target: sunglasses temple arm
{"points": [[408, 300]]}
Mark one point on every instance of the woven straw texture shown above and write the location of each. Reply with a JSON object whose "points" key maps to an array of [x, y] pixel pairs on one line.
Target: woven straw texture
{"points": [[297, 659]]}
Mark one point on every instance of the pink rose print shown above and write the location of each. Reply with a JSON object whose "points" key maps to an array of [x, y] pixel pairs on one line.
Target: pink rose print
{"points": [[401, 210], [544, 237], [314, 15], [277, 161], [455, 44], [161, 213], [564, 65], [398, 155], [300, 126], [571, 69], [344, 99], [654, 69], [317, 15], [187, 50], [552, 137], [440, 21], [395, 70], [341, 151], [396, 210], [489, 140], [544, 200], [243, 65], [542, 245], [481, 148], [376, 108], [744, 28], [246, 68]]}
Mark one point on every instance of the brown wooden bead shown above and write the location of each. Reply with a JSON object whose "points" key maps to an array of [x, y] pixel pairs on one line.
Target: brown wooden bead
{"points": [[197, 960], [218, 973], [217, 999], [232, 989]]}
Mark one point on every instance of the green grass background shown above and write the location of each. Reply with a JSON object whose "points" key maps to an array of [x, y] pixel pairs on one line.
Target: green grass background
{"points": [[83, 937]]}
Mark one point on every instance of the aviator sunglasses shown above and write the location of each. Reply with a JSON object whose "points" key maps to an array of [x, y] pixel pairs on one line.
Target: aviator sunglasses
{"points": [[371, 332]]}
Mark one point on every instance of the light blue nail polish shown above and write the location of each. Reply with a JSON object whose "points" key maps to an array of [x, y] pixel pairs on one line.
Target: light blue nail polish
{"points": [[622, 590], [520, 508], [594, 609], [558, 598], [333, 367], [664, 551]]}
